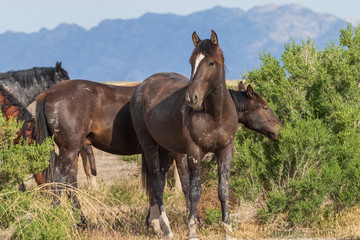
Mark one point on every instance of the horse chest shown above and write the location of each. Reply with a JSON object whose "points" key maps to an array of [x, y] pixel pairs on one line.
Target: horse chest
{"points": [[209, 135]]}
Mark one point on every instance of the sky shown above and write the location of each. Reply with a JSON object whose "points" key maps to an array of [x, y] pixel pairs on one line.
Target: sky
{"points": [[32, 15]]}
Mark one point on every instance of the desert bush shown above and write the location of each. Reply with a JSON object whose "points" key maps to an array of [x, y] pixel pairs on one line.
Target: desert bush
{"points": [[19, 160], [314, 165]]}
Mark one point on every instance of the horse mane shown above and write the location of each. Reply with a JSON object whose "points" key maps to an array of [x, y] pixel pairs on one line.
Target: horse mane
{"points": [[242, 102], [210, 50], [22, 113], [26, 77]]}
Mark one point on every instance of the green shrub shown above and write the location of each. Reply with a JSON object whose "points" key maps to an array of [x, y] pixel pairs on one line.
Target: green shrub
{"points": [[19, 160], [314, 165]]}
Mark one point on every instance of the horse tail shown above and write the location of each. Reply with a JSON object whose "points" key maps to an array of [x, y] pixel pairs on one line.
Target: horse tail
{"points": [[42, 132], [145, 176]]}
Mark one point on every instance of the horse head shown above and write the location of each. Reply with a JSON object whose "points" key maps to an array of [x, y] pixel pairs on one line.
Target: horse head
{"points": [[60, 73], [254, 112], [207, 69]]}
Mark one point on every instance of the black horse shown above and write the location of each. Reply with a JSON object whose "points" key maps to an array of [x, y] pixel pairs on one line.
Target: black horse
{"points": [[26, 85]]}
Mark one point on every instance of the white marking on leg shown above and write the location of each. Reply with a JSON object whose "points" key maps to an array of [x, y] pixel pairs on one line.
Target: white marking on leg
{"points": [[165, 225], [192, 229], [154, 219], [198, 60]]}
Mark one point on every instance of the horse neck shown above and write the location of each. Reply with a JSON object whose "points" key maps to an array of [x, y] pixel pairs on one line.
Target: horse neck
{"points": [[215, 103]]}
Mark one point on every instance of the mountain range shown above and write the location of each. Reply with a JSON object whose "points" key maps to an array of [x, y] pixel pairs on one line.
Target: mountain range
{"points": [[133, 49]]}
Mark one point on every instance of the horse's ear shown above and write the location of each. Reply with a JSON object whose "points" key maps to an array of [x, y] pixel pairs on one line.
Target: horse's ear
{"points": [[214, 38], [58, 66], [250, 91], [241, 86], [196, 39]]}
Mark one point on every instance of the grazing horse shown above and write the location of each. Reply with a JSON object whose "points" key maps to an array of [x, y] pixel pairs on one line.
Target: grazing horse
{"points": [[27, 84], [10, 107], [191, 118]]}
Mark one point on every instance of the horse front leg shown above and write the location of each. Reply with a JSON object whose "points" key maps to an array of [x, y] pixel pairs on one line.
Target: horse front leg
{"points": [[193, 158], [224, 162]]}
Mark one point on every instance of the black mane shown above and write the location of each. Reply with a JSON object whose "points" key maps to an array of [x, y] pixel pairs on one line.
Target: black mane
{"points": [[23, 114], [26, 77]]}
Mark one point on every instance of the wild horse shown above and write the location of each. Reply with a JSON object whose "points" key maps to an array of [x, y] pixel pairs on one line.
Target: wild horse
{"points": [[99, 114], [81, 112], [253, 112], [191, 118], [26, 85]]}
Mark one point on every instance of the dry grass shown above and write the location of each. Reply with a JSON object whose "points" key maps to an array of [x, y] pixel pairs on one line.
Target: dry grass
{"points": [[118, 211]]}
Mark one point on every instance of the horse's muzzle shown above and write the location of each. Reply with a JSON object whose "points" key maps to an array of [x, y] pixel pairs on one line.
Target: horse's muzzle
{"points": [[193, 101]]}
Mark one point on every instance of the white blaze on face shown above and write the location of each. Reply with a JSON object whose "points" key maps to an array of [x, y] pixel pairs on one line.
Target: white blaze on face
{"points": [[198, 60]]}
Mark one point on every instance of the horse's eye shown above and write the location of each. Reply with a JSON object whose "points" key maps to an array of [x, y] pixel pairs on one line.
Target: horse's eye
{"points": [[212, 63]]}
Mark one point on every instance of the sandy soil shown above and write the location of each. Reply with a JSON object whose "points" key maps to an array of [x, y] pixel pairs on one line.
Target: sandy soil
{"points": [[110, 168]]}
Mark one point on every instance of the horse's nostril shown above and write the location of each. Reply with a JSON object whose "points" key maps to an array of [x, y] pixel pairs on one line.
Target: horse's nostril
{"points": [[188, 99], [195, 97]]}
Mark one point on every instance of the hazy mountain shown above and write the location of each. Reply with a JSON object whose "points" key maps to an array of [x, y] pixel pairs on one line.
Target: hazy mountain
{"points": [[133, 49]]}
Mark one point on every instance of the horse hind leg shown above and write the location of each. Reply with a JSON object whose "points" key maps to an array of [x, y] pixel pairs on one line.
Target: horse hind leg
{"points": [[157, 217], [67, 177]]}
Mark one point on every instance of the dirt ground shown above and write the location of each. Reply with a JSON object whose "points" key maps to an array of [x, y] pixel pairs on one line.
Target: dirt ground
{"points": [[110, 168]]}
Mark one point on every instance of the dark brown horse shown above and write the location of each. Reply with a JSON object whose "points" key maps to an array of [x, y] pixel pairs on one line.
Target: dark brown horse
{"points": [[253, 112], [191, 118], [81, 112], [99, 115]]}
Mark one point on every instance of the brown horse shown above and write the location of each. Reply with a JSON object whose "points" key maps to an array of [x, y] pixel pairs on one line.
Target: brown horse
{"points": [[101, 116], [81, 112], [253, 112], [191, 118], [11, 107]]}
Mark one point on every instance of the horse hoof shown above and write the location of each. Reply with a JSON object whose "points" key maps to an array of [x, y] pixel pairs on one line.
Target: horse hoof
{"points": [[170, 236]]}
